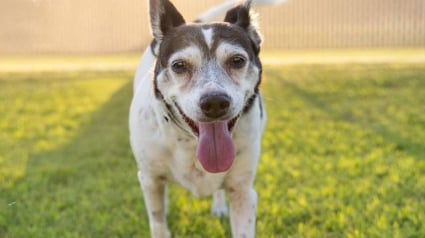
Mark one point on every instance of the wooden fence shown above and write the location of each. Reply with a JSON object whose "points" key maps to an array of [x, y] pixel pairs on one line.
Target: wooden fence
{"points": [[107, 26]]}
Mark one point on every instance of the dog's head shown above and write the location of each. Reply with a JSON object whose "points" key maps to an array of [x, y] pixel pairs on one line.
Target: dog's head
{"points": [[207, 75]]}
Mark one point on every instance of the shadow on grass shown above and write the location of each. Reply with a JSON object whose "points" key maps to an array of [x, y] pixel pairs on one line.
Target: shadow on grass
{"points": [[391, 135], [87, 187]]}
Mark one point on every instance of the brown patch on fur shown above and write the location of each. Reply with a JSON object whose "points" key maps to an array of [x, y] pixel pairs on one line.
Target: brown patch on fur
{"points": [[183, 36]]}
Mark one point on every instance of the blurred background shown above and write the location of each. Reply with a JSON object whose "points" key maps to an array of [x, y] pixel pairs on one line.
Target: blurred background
{"points": [[111, 26], [343, 154]]}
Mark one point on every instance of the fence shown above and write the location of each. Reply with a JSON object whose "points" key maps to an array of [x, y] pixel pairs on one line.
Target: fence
{"points": [[105, 26]]}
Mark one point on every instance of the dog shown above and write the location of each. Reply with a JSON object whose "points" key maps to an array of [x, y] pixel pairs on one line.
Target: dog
{"points": [[197, 115]]}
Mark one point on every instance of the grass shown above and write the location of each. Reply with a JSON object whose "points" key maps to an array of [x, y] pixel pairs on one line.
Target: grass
{"points": [[343, 156]]}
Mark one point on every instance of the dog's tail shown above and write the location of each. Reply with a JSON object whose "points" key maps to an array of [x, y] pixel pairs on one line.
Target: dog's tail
{"points": [[217, 13]]}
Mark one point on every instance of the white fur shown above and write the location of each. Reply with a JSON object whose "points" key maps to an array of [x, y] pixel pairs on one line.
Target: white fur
{"points": [[164, 152], [208, 35], [219, 207]]}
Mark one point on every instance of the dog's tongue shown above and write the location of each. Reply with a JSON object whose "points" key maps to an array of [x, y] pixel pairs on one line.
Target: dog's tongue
{"points": [[216, 150]]}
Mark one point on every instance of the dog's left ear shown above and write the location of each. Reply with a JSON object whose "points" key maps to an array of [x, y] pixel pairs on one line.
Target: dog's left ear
{"points": [[242, 16], [163, 16]]}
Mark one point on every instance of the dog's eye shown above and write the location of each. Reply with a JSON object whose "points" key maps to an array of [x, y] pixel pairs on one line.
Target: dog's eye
{"points": [[237, 62], [180, 67]]}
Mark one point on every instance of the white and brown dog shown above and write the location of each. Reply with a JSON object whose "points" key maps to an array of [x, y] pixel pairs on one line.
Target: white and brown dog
{"points": [[197, 115]]}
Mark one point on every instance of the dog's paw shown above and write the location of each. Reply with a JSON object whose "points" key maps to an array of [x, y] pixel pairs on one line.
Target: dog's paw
{"points": [[159, 230], [219, 207], [219, 210]]}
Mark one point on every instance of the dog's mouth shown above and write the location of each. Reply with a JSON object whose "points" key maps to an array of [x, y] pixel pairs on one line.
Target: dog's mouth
{"points": [[194, 126], [215, 149]]}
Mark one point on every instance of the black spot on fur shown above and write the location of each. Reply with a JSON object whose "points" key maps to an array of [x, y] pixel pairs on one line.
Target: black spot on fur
{"points": [[249, 103], [156, 90], [162, 178], [153, 45], [261, 109]]}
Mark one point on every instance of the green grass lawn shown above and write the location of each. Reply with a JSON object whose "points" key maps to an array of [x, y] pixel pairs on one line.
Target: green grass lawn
{"points": [[343, 156]]}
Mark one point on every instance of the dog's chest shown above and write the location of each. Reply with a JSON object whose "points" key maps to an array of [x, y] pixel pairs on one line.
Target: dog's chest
{"points": [[187, 171], [164, 150]]}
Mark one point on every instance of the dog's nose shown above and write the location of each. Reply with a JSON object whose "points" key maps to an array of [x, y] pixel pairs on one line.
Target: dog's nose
{"points": [[215, 105]]}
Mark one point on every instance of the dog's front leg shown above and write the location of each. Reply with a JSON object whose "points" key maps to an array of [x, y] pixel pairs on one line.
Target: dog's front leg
{"points": [[243, 205], [154, 191]]}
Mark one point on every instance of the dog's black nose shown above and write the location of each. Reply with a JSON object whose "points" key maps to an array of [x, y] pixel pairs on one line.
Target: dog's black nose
{"points": [[215, 105]]}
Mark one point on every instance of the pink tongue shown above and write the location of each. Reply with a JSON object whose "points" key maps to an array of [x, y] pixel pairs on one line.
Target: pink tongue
{"points": [[216, 150]]}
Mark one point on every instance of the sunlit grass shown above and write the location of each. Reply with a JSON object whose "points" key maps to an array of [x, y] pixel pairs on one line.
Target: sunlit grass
{"points": [[68, 63], [343, 156], [347, 145], [43, 111]]}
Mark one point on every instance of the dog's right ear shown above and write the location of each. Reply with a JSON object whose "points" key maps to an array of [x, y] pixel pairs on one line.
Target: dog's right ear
{"points": [[164, 16]]}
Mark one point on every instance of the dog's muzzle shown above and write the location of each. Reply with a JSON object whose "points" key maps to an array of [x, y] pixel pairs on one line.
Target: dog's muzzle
{"points": [[215, 149]]}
